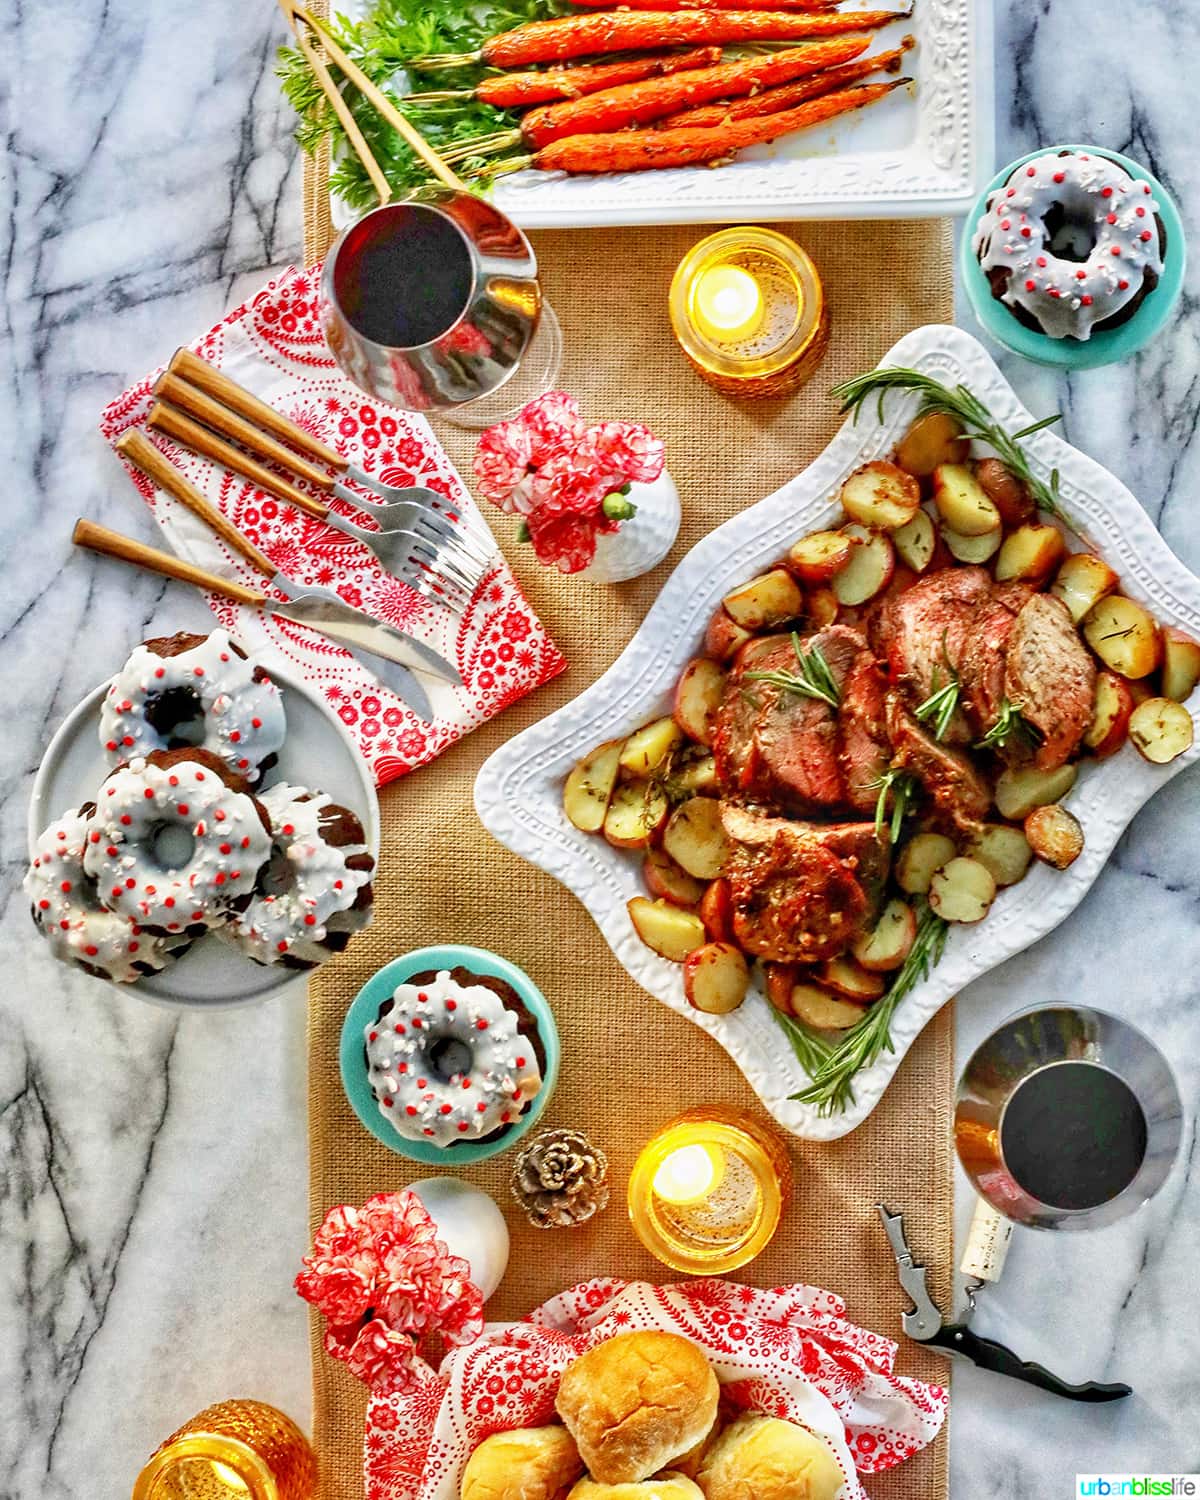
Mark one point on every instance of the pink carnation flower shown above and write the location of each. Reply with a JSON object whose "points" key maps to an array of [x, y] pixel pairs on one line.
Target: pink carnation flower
{"points": [[382, 1279], [502, 461], [629, 449], [553, 422]]}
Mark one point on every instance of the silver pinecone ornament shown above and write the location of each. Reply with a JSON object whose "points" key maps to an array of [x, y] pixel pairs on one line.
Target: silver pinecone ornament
{"points": [[560, 1179]]}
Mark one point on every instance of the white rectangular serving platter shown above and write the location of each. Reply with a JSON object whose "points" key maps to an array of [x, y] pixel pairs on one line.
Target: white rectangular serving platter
{"points": [[518, 793], [919, 153]]}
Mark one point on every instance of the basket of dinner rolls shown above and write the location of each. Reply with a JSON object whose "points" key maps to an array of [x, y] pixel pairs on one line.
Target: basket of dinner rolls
{"points": [[626, 1391]]}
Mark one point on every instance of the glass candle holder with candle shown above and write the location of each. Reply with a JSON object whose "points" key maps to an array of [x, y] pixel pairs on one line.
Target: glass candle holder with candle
{"points": [[234, 1450], [749, 311], [707, 1192]]}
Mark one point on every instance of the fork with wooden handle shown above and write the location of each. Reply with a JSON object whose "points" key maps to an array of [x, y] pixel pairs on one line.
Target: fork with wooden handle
{"points": [[211, 396]]}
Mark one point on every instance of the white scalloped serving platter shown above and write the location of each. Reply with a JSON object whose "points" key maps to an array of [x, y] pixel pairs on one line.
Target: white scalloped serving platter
{"points": [[920, 152], [518, 793]]}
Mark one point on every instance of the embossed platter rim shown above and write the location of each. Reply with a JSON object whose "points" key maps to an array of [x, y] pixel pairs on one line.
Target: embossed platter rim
{"points": [[518, 793], [907, 157]]}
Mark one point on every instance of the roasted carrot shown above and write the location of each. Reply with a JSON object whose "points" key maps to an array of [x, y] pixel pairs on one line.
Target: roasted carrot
{"points": [[652, 98], [771, 101], [565, 37], [516, 90], [641, 150]]}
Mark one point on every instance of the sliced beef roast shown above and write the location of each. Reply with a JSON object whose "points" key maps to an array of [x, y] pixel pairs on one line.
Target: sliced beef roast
{"points": [[1050, 676], [864, 750]]}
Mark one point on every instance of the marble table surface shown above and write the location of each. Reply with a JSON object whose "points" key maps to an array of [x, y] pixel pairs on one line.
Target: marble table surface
{"points": [[151, 181]]}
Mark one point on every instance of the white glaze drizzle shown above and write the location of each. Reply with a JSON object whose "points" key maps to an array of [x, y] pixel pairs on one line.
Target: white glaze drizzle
{"points": [[503, 1077], [1066, 297], [243, 718], [295, 921], [230, 844], [70, 917]]}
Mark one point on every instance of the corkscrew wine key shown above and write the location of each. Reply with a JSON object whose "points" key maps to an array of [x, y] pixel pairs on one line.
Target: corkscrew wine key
{"points": [[983, 1261]]}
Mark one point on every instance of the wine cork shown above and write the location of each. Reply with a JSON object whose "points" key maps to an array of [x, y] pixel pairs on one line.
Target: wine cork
{"points": [[987, 1243]]}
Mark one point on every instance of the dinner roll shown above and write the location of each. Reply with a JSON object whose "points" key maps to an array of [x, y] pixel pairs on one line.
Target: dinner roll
{"points": [[669, 1486], [636, 1403], [533, 1463], [764, 1458]]}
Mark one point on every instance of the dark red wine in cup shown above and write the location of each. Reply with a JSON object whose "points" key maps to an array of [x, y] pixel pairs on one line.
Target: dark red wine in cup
{"points": [[403, 277], [1073, 1135]]}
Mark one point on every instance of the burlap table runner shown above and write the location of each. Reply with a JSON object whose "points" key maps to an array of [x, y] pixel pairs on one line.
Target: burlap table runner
{"points": [[629, 1063]]}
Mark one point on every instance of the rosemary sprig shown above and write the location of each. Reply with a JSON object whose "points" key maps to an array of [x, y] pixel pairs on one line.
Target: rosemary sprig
{"points": [[812, 679], [832, 1086], [1010, 722], [941, 705], [812, 1051], [902, 787], [977, 422]]}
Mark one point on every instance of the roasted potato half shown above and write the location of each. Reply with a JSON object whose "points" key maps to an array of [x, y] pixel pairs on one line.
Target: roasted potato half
{"points": [[881, 496], [1054, 835], [962, 502], [1160, 730], [1112, 704], [669, 930], [715, 978], [1029, 554], [1123, 635], [697, 697], [869, 570], [1005, 491], [769, 599], [921, 857], [817, 557], [636, 815], [932, 440], [1082, 581], [646, 748], [1022, 788], [724, 635], [695, 838], [667, 880], [962, 891], [916, 541], [889, 942], [1004, 850], [589, 786], [823, 1010], [1181, 664]]}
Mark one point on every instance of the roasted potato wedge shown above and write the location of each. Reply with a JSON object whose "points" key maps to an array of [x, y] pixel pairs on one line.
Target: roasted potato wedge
{"points": [[816, 557], [819, 1008], [972, 549], [695, 838], [1029, 554], [932, 440], [1004, 850], [1005, 491], [1181, 664], [1112, 704], [697, 775], [869, 570], [962, 891], [716, 978], [846, 976], [769, 599], [646, 748], [1082, 581], [889, 942], [916, 541], [716, 910], [881, 496], [920, 859], [665, 879], [1123, 635], [962, 502], [823, 606], [697, 697], [589, 786], [1054, 835], [672, 932], [1022, 788], [636, 815], [778, 980], [724, 635], [1160, 730]]}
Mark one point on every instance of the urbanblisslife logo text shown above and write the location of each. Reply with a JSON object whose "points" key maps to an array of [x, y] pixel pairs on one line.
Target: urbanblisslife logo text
{"points": [[1113, 1485]]}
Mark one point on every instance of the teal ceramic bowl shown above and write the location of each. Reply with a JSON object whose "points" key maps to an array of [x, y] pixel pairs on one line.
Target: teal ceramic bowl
{"points": [[1105, 348], [364, 1009]]}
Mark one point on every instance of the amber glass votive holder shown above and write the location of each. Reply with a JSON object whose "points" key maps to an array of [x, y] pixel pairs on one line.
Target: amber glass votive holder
{"points": [[234, 1450], [785, 332], [707, 1191]]}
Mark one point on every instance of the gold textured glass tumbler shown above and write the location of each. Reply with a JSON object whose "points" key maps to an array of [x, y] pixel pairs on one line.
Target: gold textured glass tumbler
{"points": [[235, 1450]]}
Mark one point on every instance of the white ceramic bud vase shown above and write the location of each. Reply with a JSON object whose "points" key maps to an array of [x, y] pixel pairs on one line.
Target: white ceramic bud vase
{"points": [[470, 1224], [642, 542]]}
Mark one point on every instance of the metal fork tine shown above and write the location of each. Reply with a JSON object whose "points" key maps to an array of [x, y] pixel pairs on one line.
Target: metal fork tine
{"points": [[418, 580]]}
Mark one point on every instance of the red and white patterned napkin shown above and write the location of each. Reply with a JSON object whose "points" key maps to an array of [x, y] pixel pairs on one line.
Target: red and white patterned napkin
{"points": [[273, 345], [789, 1352]]}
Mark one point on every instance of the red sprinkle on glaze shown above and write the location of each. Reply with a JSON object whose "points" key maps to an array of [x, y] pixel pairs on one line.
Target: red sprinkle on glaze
{"points": [[337, 885], [1080, 275], [110, 744], [1041, 260], [403, 1067], [149, 792], [152, 890], [170, 901], [387, 1103], [219, 815], [1031, 286], [130, 882], [226, 848], [43, 904], [1026, 233], [310, 920], [1116, 249], [94, 836], [133, 947], [282, 946], [481, 1025], [1122, 286], [445, 1109], [520, 1062], [372, 1036], [289, 829], [505, 1118], [199, 671], [1112, 218], [399, 1030], [160, 671], [256, 723], [1030, 172], [1145, 187], [1145, 234], [466, 1083], [199, 775], [173, 780], [422, 997], [1140, 211], [1005, 223], [126, 819], [428, 1131], [422, 1083], [481, 1107], [243, 763], [234, 736], [246, 843], [183, 809], [462, 1125], [66, 885], [128, 740], [1060, 177], [451, 1004], [1054, 292], [1086, 300], [1106, 192], [410, 1109], [219, 878], [91, 950]]}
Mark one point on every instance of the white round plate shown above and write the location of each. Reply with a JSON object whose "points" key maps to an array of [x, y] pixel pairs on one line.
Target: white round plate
{"points": [[318, 752]]}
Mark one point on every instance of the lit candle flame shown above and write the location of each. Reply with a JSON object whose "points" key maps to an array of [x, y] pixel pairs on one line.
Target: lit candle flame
{"points": [[689, 1174], [727, 304]]}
